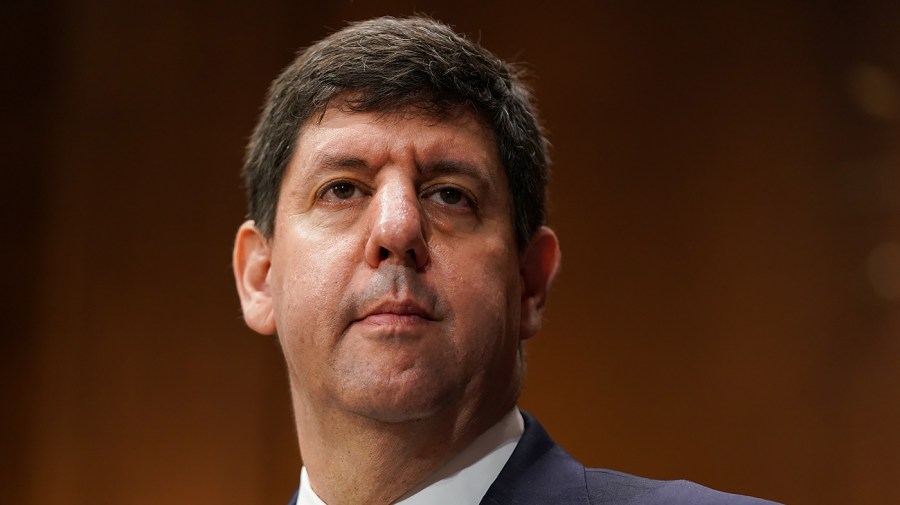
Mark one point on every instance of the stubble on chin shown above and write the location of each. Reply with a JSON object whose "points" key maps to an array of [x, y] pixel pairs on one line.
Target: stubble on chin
{"points": [[393, 378]]}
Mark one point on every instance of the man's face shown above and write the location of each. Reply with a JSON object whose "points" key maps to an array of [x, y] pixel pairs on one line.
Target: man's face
{"points": [[393, 279]]}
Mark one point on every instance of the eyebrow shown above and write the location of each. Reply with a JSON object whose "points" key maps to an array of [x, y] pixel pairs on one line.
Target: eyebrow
{"points": [[477, 175], [451, 167], [325, 162]]}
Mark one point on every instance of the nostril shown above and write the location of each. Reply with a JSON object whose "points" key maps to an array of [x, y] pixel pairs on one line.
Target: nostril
{"points": [[383, 253], [412, 254]]}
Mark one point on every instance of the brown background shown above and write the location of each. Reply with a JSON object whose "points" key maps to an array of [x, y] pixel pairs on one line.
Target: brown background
{"points": [[727, 193]]}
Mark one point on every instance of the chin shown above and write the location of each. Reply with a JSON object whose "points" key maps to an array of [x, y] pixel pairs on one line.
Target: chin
{"points": [[399, 411], [393, 401], [397, 415]]}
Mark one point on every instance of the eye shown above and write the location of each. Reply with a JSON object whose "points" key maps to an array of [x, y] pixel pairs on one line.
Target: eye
{"points": [[450, 196], [341, 190]]}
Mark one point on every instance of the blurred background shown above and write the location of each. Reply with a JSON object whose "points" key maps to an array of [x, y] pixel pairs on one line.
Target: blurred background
{"points": [[726, 189]]}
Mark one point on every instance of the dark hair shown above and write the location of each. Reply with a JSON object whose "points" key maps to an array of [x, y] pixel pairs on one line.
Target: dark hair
{"points": [[389, 63]]}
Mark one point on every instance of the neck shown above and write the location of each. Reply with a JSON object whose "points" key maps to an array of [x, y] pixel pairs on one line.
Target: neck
{"points": [[355, 459]]}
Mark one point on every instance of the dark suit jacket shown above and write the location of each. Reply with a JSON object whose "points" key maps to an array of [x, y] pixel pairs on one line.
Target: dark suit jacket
{"points": [[539, 472]]}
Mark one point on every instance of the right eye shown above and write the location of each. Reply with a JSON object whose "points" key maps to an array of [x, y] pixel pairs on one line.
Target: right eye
{"points": [[341, 190]]}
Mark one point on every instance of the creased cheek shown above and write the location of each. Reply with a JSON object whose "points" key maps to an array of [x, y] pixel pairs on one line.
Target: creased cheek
{"points": [[318, 298]]}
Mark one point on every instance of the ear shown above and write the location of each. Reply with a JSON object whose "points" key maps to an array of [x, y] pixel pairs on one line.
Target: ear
{"points": [[538, 266], [251, 262]]}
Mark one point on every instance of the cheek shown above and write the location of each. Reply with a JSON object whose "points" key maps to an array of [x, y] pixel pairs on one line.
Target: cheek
{"points": [[484, 290], [310, 274]]}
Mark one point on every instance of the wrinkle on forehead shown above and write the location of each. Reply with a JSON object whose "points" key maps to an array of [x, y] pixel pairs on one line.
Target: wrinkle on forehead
{"points": [[448, 151]]}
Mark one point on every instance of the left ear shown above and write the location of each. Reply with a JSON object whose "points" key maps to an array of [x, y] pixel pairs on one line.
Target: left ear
{"points": [[538, 266]]}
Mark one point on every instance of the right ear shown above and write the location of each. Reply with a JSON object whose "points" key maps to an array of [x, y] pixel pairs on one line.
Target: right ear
{"points": [[251, 261]]}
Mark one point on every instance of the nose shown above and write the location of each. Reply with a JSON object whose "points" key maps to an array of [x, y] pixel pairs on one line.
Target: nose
{"points": [[397, 233]]}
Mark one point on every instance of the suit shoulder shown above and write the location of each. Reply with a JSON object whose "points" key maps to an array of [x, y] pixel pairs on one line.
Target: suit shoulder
{"points": [[610, 486]]}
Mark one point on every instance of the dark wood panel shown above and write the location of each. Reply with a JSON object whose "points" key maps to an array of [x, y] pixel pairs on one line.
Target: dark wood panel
{"points": [[725, 190]]}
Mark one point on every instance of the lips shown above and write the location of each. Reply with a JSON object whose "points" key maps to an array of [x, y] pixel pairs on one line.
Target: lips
{"points": [[396, 313]]}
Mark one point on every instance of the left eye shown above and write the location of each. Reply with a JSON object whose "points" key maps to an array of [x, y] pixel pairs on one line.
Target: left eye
{"points": [[449, 196]]}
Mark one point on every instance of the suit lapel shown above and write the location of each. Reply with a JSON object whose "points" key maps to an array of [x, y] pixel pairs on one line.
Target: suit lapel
{"points": [[538, 472]]}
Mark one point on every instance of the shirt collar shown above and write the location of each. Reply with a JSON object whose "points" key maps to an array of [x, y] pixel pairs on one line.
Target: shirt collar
{"points": [[464, 479]]}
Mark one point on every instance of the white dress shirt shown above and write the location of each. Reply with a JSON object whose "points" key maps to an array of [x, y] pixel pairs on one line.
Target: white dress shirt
{"points": [[465, 479]]}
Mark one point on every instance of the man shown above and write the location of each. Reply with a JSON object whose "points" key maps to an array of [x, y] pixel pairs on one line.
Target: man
{"points": [[396, 247]]}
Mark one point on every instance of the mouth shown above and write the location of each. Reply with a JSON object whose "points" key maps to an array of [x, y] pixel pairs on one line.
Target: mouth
{"points": [[396, 313]]}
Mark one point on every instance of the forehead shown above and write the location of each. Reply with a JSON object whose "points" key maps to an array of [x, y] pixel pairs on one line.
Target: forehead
{"points": [[340, 136], [449, 127]]}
